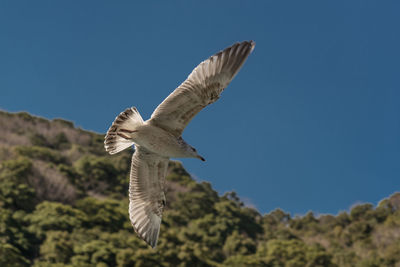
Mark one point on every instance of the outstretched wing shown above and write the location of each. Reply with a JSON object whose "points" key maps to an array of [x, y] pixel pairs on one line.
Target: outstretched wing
{"points": [[203, 87], [146, 193]]}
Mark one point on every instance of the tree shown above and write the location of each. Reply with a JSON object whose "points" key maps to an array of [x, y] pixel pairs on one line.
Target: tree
{"points": [[55, 216], [15, 192], [11, 256]]}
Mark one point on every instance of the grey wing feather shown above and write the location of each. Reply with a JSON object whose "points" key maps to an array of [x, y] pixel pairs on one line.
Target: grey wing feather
{"points": [[202, 87], [146, 193]]}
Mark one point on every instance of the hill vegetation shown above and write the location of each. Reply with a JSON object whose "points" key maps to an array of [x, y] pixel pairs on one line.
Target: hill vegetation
{"points": [[63, 202]]}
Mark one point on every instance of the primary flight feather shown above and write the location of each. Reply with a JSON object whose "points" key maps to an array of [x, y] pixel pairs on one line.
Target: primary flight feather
{"points": [[159, 138]]}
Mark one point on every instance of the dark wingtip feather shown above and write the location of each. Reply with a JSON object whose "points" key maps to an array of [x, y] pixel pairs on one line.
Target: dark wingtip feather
{"points": [[237, 55]]}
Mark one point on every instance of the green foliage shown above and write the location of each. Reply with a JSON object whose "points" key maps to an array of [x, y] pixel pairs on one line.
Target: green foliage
{"points": [[37, 139], [25, 116], [195, 203], [42, 153], [109, 214], [239, 244], [15, 192], [240, 260], [11, 256], [14, 236], [306, 223], [179, 175], [199, 227], [54, 216], [57, 247], [360, 212], [95, 252], [294, 253], [67, 124], [102, 174], [97, 143], [61, 141]]}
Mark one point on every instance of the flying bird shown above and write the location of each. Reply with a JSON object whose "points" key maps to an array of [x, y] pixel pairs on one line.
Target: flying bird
{"points": [[159, 138]]}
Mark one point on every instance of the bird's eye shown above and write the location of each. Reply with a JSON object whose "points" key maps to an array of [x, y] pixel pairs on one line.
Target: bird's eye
{"points": [[194, 149]]}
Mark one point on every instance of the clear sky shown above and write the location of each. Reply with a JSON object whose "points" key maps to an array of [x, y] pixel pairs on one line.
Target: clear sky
{"points": [[311, 122]]}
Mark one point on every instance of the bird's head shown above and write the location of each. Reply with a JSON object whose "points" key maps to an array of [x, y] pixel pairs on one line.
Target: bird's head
{"points": [[194, 153]]}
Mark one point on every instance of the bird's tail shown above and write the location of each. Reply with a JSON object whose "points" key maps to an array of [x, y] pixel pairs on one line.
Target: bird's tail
{"points": [[118, 136]]}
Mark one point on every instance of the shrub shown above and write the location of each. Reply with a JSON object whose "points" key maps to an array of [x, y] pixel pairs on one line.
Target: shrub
{"points": [[42, 153], [15, 192]]}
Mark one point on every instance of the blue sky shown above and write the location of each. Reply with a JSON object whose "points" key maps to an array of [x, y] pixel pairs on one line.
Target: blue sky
{"points": [[311, 122]]}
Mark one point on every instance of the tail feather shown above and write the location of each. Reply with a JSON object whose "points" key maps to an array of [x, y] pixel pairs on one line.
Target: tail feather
{"points": [[117, 137]]}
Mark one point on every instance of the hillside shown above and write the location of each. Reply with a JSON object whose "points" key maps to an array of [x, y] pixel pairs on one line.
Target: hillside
{"points": [[63, 202]]}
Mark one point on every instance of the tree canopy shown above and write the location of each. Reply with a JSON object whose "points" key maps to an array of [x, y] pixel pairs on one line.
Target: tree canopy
{"points": [[63, 202]]}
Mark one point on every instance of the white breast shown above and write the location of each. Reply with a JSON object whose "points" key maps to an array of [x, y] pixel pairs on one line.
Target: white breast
{"points": [[158, 141]]}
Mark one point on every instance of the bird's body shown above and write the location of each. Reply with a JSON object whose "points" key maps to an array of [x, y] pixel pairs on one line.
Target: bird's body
{"points": [[159, 138], [160, 142]]}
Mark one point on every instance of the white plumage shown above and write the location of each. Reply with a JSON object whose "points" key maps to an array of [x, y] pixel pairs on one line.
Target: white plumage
{"points": [[159, 138]]}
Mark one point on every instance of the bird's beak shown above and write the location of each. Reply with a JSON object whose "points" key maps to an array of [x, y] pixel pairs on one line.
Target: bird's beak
{"points": [[201, 158]]}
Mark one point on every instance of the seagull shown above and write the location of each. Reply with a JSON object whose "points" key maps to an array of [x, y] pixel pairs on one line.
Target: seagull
{"points": [[160, 138]]}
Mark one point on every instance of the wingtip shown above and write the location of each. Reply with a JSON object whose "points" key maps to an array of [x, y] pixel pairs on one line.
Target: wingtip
{"points": [[249, 43], [253, 45], [153, 246], [149, 231], [149, 240]]}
